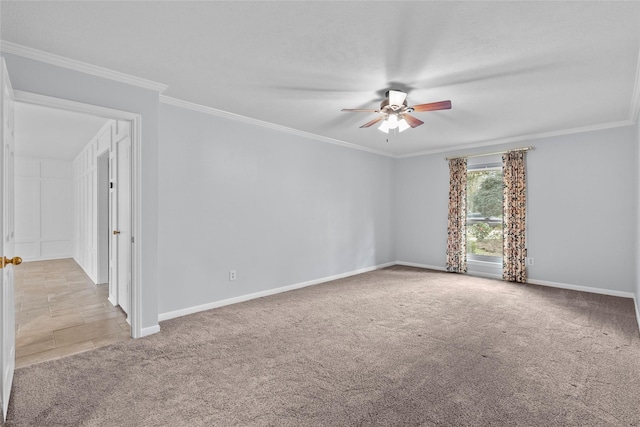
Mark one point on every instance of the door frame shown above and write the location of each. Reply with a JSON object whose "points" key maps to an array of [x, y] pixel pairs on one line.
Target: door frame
{"points": [[135, 296]]}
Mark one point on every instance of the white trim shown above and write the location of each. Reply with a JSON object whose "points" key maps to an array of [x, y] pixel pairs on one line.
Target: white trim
{"points": [[247, 297], [600, 291], [135, 292], [112, 301], [98, 134], [244, 119], [65, 104], [135, 309], [93, 278], [46, 258], [217, 304], [635, 303], [83, 67], [144, 332], [79, 66], [414, 264], [520, 138], [438, 268]]}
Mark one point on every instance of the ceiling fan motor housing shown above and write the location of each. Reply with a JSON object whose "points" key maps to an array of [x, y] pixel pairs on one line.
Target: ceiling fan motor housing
{"points": [[390, 109]]}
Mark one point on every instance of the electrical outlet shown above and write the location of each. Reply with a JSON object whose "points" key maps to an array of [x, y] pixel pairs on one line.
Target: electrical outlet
{"points": [[232, 275], [529, 261]]}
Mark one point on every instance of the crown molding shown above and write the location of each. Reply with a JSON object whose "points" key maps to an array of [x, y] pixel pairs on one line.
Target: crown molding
{"points": [[83, 67], [71, 64], [220, 113], [68, 105], [237, 117], [519, 138]]}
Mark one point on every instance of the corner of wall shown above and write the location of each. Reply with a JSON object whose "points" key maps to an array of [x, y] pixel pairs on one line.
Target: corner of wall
{"points": [[637, 215]]}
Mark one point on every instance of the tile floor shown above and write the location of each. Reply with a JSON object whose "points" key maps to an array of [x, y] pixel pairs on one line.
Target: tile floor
{"points": [[60, 311]]}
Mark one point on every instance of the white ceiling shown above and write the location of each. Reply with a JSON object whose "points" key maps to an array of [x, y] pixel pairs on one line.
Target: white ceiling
{"points": [[52, 134], [511, 69]]}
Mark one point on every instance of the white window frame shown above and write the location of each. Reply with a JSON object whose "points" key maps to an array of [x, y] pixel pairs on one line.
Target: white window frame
{"points": [[483, 260]]}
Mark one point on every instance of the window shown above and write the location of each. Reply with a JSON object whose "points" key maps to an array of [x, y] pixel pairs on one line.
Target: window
{"points": [[484, 213]]}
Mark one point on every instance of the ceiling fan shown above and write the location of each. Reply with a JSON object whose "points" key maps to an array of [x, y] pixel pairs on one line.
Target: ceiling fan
{"points": [[394, 112]]}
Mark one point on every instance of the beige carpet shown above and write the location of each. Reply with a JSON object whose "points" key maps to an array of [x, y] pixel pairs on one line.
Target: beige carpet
{"points": [[395, 347]]}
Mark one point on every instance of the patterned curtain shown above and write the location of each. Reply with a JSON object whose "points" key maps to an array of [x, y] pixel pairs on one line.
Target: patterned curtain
{"points": [[515, 214], [457, 226]]}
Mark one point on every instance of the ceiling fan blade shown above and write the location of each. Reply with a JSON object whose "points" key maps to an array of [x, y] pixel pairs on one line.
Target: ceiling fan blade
{"points": [[433, 106], [359, 110], [413, 122], [397, 98], [372, 122]]}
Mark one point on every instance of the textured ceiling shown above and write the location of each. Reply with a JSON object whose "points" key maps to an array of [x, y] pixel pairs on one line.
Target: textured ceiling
{"points": [[53, 134], [511, 69]]}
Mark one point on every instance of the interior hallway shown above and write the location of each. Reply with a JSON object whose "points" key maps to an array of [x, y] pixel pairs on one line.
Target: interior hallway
{"points": [[60, 311]]}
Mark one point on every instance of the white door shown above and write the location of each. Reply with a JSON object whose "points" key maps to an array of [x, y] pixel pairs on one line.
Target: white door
{"points": [[7, 308], [113, 225], [123, 236]]}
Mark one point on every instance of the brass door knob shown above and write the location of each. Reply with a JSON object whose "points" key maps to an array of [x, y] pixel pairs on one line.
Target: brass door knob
{"points": [[16, 260], [116, 231]]}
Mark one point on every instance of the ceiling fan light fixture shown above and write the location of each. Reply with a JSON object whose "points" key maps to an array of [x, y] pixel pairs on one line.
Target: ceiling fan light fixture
{"points": [[403, 125], [384, 127], [393, 121]]}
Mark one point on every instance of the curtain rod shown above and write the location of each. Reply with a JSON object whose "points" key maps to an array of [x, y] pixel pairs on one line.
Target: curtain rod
{"points": [[491, 154]]}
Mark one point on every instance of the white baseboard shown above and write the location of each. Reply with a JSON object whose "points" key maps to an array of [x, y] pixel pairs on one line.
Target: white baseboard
{"points": [[91, 276], [149, 331], [582, 288], [635, 303], [247, 297], [439, 268], [52, 258], [601, 291], [46, 258], [413, 264]]}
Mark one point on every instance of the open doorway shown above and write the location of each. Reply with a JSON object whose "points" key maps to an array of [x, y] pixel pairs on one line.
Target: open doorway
{"points": [[68, 298]]}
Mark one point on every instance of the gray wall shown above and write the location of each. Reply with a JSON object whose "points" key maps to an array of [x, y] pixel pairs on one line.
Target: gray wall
{"points": [[581, 208], [422, 195], [277, 208], [41, 78], [281, 209]]}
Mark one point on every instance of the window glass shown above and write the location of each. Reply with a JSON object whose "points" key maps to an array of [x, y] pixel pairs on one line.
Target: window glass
{"points": [[484, 213]]}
